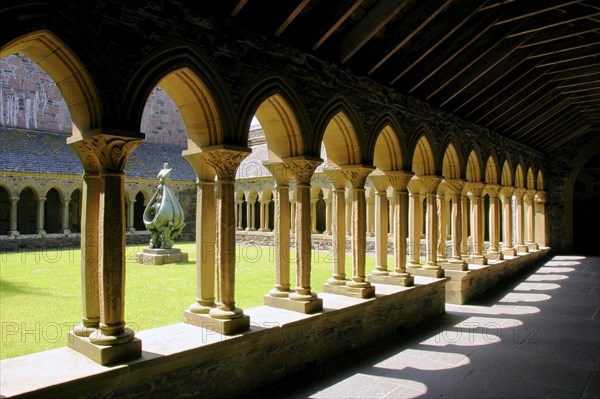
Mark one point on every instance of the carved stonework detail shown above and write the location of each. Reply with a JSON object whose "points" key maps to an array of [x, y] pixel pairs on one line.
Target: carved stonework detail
{"points": [[474, 189], [399, 179], [506, 192], [225, 162], [357, 175], [540, 196], [519, 192], [302, 169], [492, 190], [104, 153], [455, 186], [430, 183], [529, 196]]}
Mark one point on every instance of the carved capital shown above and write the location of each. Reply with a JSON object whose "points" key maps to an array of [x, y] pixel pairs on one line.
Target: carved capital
{"points": [[540, 196], [492, 190], [529, 196], [279, 171], [430, 183], [357, 174], [506, 191], [225, 160], [302, 168], [399, 179], [474, 189], [104, 152], [519, 193], [454, 186]]}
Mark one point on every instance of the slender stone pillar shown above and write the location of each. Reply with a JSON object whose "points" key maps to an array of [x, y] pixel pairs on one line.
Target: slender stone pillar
{"points": [[358, 286], [13, 215], [302, 168], [281, 234], [349, 214], [293, 214], [380, 182], [399, 276], [392, 221], [494, 251], [313, 216], [507, 243], [430, 185], [414, 233], [530, 216], [441, 215], [464, 242], [250, 214], [518, 194], [238, 212], [130, 207], [40, 216], [205, 236], [476, 190], [328, 215], [65, 216], [540, 218], [339, 231], [370, 216]]}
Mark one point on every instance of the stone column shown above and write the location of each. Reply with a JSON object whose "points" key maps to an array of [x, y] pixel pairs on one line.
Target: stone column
{"points": [[65, 216], [430, 184], [130, 209], [328, 213], [281, 234], [239, 212], [349, 214], [464, 221], [250, 216], [264, 213], [225, 160], [40, 216], [313, 216], [205, 235], [380, 183], [475, 190], [506, 197], [414, 232], [519, 193], [104, 157], [399, 276], [494, 252], [302, 168], [441, 215], [293, 214], [540, 218], [529, 198], [370, 215], [339, 231], [13, 215], [392, 221]]}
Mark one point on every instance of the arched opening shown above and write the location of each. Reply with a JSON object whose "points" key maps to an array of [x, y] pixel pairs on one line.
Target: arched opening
{"points": [[75, 211], [423, 163], [388, 154], [340, 141], [27, 211], [586, 197], [491, 172], [320, 208], [506, 178], [138, 211], [473, 168], [5, 206], [53, 212], [530, 179], [450, 163]]}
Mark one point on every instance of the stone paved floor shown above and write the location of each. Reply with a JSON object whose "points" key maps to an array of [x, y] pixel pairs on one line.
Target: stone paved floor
{"points": [[536, 337]]}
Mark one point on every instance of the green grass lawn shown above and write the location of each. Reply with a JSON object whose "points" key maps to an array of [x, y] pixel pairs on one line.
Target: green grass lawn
{"points": [[40, 292]]}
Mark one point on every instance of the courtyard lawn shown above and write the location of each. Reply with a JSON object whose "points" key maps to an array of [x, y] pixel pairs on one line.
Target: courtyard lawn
{"points": [[40, 292]]}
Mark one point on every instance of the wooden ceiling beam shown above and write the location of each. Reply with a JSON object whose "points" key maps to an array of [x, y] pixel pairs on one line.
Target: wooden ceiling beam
{"points": [[553, 127], [369, 26], [529, 113], [339, 20], [576, 13], [565, 32], [535, 122], [238, 7], [533, 8], [291, 17], [564, 47], [567, 131]]}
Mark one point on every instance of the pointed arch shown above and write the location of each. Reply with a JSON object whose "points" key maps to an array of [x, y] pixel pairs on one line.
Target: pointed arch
{"points": [[451, 163], [473, 172], [339, 131], [281, 115], [519, 177], [540, 181], [423, 161], [491, 171], [195, 87], [506, 179], [70, 75], [388, 151], [530, 179]]}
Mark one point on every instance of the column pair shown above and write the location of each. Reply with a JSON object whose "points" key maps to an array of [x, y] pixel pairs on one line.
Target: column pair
{"points": [[530, 220], [507, 217], [301, 299], [454, 259], [493, 190], [399, 181], [102, 335], [520, 246], [215, 235], [474, 192], [357, 286]]}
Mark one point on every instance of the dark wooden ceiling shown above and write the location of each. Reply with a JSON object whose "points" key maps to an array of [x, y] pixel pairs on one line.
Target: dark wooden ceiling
{"points": [[528, 69]]}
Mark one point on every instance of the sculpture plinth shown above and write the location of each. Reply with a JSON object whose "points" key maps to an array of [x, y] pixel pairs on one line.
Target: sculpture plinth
{"points": [[164, 219]]}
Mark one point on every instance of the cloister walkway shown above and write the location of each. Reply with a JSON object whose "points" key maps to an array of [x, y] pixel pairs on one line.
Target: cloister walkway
{"points": [[536, 337]]}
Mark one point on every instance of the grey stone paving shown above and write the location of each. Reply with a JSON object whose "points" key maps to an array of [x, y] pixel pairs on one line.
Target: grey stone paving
{"points": [[536, 337]]}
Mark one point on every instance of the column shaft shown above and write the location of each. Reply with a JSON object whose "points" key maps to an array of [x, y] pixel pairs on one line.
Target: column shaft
{"points": [[414, 216], [339, 237], [13, 214], [328, 213], [464, 203], [456, 227], [441, 210], [476, 207], [65, 215], [40, 215], [381, 232], [281, 236], [431, 229], [400, 228]]}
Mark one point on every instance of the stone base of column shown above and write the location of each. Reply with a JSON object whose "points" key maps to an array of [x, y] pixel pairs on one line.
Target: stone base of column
{"points": [[521, 248], [532, 246], [221, 326], [158, 256], [455, 264], [305, 307], [495, 255], [264, 230], [509, 252], [437, 272], [108, 354], [355, 292], [478, 259], [402, 281]]}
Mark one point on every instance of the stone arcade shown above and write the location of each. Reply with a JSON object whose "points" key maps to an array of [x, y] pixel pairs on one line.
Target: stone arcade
{"points": [[480, 199]]}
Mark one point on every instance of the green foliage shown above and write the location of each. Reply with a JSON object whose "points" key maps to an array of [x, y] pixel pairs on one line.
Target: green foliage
{"points": [[40, 292]]}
